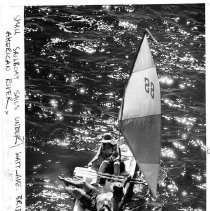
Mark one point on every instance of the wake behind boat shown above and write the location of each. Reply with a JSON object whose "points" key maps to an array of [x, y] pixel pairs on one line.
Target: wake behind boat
{"points": [[139, 123]]}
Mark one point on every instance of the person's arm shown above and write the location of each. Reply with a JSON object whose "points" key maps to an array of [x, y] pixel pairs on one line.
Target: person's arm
{"points": [[115, 205], [96, 157], [78, 184], [66, 181], [118, 151], [117, 196]]}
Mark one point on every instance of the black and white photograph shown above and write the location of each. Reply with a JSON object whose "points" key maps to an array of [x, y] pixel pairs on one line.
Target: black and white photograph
{"points": [[114, 107]]}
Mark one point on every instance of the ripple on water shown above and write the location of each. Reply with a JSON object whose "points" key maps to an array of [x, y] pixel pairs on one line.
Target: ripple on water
{"points": [[78, 60]]}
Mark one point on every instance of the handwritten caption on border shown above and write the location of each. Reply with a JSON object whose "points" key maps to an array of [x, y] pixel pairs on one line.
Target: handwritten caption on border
{"points": [[13, 105]]}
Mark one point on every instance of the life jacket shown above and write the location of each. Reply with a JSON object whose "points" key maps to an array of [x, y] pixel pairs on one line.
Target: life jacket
{"points": [[107, 154]]}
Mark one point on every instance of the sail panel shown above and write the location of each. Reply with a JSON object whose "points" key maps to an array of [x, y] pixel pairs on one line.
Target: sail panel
{"points": [[143, 137], [142, 95], [144, 59], [151, 174]]}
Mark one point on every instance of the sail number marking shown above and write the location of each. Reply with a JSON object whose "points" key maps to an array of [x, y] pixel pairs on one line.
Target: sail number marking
{"points": [[149, 87]]}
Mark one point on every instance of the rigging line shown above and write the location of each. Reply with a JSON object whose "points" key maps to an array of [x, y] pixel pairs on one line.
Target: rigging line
{"points": [[158, 43], [148, 31]]}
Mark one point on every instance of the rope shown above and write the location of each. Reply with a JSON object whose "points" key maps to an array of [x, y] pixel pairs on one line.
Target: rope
{"points": [[147, 30]]}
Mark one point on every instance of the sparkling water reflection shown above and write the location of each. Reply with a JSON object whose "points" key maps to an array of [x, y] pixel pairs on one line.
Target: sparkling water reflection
{"points": [[78, 60]]}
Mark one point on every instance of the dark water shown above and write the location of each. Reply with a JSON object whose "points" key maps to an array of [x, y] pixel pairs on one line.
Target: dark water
{"points": [[78, 60]]}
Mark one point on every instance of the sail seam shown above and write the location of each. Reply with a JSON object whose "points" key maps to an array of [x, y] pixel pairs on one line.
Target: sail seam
{"points": [[144, 69], [140, 117]]}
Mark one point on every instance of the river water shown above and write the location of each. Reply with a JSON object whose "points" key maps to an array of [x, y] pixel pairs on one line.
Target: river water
{"points": [[78, 60]]}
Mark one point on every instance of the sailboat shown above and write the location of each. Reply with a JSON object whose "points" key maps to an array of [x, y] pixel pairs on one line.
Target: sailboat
{"points": [[139, 123]]}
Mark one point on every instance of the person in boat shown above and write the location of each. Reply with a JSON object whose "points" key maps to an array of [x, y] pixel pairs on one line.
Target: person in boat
{"points": [[108, 157], [94, 199]]}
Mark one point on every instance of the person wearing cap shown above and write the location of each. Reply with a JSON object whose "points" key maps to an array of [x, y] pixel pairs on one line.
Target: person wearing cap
{"points": [[94, 199], [108, 157]]}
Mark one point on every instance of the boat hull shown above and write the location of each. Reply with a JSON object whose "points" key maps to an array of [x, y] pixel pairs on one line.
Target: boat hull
{"points": [[130, 169]]}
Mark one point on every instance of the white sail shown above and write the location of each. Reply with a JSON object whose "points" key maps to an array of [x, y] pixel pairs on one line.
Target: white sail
{"points": [[140, 115]]}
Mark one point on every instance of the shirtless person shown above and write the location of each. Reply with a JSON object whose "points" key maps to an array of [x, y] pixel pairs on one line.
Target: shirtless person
{"points": [[92, 198]]}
